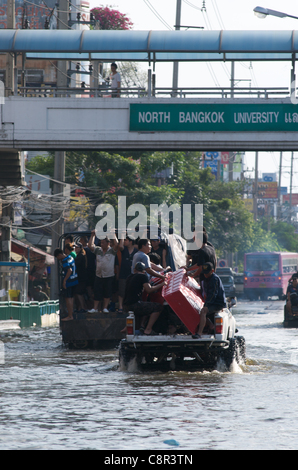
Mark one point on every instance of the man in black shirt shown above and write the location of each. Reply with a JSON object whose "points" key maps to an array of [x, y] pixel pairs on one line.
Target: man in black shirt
{"points": [[206, 254], [135, 284]]}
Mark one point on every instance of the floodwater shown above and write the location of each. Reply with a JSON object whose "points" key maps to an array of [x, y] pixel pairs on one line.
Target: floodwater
{"points": [[55, 398]]}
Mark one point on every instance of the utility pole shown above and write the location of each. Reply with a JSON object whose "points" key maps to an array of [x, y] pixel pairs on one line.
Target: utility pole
{"points": [[10, 59], [59, 168], [7, 211], [291, 188], [256, 186], [62, 23], [176, 64], [279, 187], [97, 67], [232, 78], [231, 166]]}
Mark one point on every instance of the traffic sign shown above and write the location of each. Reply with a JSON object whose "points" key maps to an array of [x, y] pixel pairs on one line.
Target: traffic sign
{"points": [[222, 263]]}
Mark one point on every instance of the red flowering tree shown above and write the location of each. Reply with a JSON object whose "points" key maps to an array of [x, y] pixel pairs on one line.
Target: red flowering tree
{"points": [[111, 19]]}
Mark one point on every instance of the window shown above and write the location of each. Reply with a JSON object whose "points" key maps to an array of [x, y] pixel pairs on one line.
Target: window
{"points": [[259, 262], [289, 265]]}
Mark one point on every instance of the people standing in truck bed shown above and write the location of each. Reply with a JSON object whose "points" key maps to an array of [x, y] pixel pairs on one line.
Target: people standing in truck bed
{"points": [[91, 262], [105, 263], [70, 279], [128, 250], [81, 266]]}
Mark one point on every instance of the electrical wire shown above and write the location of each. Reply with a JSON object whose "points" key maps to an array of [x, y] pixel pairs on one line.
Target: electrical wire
{"points": [[155, 12], [217, 13], [192, 5]]}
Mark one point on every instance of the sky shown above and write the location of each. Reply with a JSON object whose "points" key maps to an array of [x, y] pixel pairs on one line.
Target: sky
{"points": [[229, 15]]}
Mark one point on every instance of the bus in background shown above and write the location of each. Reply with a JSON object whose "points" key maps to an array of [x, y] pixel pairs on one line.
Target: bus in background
{"points": [[266, 274]]}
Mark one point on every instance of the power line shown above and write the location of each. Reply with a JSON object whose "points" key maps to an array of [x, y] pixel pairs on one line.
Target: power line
{"points": [[155, 12], [192, 5], [217, 13]]}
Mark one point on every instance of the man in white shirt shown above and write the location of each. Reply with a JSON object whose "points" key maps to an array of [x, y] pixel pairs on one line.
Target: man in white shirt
{"points": [[115, 81], [105, 262]]}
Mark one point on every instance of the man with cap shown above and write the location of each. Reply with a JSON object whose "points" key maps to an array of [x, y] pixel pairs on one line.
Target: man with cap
{"points": [[206, 253], [135, 284], [215, 295]]}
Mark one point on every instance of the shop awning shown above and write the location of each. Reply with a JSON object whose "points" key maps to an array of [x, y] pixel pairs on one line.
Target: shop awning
{"points": [[36, 254]]}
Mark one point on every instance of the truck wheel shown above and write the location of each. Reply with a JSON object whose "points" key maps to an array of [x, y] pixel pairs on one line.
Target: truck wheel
{"points": [[236, 351], [79, 344], [125, 356], [231, 353]]}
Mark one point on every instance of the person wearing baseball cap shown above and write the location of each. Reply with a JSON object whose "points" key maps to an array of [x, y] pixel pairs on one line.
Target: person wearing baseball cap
{"points": [[206, 253], [136, 283], [215, 296], [207, 268]]}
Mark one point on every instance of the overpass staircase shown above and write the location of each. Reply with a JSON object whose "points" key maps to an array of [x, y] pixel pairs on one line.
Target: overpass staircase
{"points": [[10, 168]]}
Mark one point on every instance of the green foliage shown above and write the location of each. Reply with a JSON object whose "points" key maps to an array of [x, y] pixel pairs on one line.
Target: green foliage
{"points": [[285, 235], [42, 165], [109, 18], [102, 177]]}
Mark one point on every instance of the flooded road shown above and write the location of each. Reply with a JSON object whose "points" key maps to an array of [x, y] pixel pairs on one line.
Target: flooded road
{"points": [[55, 398]]}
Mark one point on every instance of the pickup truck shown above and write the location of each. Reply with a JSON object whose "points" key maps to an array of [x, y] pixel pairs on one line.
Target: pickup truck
{"points": [[181, 351]]}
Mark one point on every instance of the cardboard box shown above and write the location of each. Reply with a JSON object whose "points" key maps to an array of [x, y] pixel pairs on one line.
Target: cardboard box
{"points": [[183, 295]]}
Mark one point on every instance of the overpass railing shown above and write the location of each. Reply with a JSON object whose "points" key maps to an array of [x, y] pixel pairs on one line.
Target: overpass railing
{"points": [[157, 92], [54, 92], [222, 92]]}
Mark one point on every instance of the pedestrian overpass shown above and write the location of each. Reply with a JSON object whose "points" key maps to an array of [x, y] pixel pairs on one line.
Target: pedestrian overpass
{"points": [[155, 119], [148, 123]]}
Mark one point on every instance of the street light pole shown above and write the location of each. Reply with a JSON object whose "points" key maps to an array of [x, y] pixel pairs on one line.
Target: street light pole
{"points": [[176, 64], [262, 13]]}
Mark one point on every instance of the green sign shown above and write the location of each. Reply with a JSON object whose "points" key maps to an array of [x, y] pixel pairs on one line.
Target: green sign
{"points": [[213, 117]]}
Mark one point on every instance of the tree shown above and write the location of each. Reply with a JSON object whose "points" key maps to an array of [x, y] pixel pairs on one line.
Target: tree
{"points": [[101, 177], [285, 235], [109, 18], [42, 164]]}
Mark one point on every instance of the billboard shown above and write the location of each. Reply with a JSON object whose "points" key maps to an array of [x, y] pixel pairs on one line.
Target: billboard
{"points": [[34, 11], [286, 198], [267, 190], [269, 177]]}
